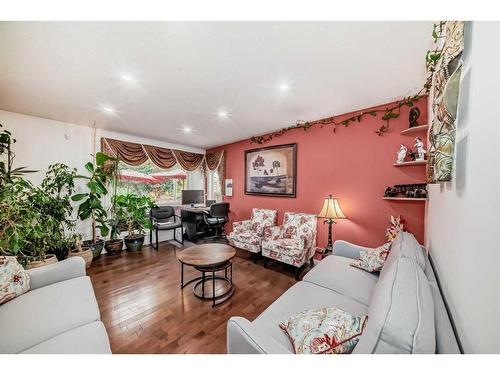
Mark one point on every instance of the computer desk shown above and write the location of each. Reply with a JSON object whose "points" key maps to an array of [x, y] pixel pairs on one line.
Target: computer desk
{"points": [[195, 228]]}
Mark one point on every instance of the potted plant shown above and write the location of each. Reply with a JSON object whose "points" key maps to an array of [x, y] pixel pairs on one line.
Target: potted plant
{"points": [[74, 243], [114, 245], [52, 200], [91, 207], [133, 210]]}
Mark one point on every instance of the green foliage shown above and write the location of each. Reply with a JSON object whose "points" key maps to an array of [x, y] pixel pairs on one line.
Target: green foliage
{"points": [[133, 210], [7, 173], [91, 207], [23, 229]]}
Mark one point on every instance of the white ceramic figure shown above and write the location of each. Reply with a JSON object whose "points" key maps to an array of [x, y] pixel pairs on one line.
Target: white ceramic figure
{"points": [[402, 154], [420, 149]]}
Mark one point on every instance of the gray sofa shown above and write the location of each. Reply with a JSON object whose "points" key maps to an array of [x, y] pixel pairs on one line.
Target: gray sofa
{"points": [[59, 314], [406, 313]]}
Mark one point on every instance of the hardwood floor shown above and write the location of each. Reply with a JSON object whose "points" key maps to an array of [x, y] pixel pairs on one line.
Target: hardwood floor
{"points": [[145, 311]]}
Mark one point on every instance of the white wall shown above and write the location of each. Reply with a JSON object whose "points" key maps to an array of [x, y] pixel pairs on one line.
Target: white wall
{"points": [[41, 142], [463, 216]]}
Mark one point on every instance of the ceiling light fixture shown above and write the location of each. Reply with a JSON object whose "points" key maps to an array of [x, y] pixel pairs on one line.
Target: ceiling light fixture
{"points": [[127, 78], [283, 87], [222, 114], [107, 109], [187, 129]]}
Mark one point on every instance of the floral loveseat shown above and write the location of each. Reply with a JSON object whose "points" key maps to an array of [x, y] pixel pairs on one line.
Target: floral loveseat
{"points": [[247, 234], [293, 242]]}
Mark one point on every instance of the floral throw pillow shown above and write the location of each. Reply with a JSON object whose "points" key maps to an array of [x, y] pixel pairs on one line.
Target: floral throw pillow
{"points": [[372, 260], [324, 331], [14, 280]]}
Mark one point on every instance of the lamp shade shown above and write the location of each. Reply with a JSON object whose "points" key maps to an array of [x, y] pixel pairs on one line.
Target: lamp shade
{"points": [[331, 209]]}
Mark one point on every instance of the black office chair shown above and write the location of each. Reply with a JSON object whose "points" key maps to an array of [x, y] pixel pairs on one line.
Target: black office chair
{"points": [[216, 219], [164, 218]]}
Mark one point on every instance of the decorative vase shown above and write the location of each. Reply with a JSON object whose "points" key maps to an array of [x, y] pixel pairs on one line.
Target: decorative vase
{"points": [[113, 247], [95, 247], [134, 242], [61, 254], [87, 255], [49, 259]]}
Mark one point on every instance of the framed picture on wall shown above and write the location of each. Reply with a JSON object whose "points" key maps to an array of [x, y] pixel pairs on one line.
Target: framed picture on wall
{"points": [[271, 171], [228, 187]]}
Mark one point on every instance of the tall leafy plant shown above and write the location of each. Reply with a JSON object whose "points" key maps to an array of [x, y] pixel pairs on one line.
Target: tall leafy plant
{"points": [[100, 172], [133, 210], [7, 172]]}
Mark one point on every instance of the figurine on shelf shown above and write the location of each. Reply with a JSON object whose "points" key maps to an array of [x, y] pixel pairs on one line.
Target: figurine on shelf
{"points": [[420, 149], [390, 191], [413, 117], [402, 154]]}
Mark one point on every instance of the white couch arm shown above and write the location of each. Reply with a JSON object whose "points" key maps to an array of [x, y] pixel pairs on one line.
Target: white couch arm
{"points": [[244, 338], [346, 249], [53, 273]]}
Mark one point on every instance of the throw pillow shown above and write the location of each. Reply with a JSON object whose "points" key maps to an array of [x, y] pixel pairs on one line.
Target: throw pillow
{"points": [[14, 280], [324, 331], [372, 260]]}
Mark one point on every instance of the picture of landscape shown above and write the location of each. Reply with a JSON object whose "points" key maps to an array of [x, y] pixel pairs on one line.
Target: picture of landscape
{"points": [[271, 171]]}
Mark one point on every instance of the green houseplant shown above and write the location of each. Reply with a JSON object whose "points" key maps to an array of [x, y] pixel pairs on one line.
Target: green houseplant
{"points": [[114, 245], [91, 206], [133, 210], [52, 200]]}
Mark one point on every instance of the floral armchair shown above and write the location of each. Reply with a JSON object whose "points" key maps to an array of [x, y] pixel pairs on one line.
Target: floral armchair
{"points": [[293, 242], [247, 234]]}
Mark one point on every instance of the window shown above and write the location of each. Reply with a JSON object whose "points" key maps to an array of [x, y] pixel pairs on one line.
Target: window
{"points": [[162, 185], [214, 186]]}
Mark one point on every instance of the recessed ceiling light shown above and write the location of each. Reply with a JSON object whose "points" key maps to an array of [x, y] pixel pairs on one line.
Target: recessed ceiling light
{"points": [[187, 129], [283, 87], [127, 78], [107, 109], [222, 114]]}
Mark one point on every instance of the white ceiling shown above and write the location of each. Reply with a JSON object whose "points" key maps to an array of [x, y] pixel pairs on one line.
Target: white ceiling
{"points": [[184, 72]]}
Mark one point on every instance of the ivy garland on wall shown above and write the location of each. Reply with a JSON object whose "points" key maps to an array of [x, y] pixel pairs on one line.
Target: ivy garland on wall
{"points": [[387, 114]]}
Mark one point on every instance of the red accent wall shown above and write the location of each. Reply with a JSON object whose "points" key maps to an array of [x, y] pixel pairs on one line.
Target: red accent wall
{"points": [[353, 164]]}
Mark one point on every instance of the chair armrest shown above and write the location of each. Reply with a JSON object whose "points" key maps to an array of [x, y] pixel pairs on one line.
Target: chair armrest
{"points": [[273, 233], [53, 273], [346, 249], [241, 226], [244, 338]]}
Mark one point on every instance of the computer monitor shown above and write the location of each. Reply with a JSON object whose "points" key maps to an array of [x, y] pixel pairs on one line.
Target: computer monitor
{"points": [[193, 197]]}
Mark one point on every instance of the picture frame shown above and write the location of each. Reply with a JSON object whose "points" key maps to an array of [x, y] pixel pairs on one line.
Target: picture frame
{"points": [[228, 187], [271, 171]]}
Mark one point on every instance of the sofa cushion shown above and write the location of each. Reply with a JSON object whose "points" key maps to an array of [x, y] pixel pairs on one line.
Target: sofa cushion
{"points": [[372, 260], [324, 331], [401, 312], [14, 280], [405, 245], [334, 273], [44, 313], [88, 339], [302, 296]]}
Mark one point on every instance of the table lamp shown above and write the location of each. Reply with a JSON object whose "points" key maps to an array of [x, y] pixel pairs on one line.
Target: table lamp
{"points": [[330, 211]]}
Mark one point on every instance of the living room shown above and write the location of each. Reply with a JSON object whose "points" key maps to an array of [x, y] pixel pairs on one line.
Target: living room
{"points": [[249, 187]]}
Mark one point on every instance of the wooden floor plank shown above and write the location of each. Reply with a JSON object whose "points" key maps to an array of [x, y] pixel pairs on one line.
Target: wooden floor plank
{"points": [[145, 311]]}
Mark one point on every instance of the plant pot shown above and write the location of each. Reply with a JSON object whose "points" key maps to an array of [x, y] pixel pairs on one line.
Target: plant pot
{"points": [[95, 247], [134, 242], [49, 259], [87, 255], [113, 247], [61, 254]]}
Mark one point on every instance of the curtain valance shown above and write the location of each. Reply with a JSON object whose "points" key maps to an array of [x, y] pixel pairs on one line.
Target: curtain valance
{"points": [[136, 154]]}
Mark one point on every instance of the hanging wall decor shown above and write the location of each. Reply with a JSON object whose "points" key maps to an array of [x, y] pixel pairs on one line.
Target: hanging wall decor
{"points": [[444, 100], [271, 171]]}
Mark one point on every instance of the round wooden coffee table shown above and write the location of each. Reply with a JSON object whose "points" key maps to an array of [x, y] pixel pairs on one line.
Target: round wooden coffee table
{"points": [[209, 259]]}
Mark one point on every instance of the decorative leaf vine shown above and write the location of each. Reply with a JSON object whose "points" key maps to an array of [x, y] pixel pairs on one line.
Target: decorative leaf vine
{"points": [[388, 113]]}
